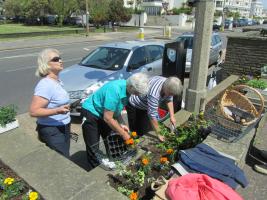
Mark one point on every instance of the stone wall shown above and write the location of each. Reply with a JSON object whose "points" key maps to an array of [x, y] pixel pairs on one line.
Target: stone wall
{"points": [[245, 55]]}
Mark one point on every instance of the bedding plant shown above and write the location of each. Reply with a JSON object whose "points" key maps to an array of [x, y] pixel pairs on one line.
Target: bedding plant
{"points": [[135, 180], [7, 114], [12, 187]]}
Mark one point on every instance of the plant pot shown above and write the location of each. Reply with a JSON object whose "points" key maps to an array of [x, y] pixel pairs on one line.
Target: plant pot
{"points": [[9, 126]]}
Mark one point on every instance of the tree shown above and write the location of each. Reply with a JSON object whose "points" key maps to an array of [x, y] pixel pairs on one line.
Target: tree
{"points": [[235, 15], [36, 8], [99, 11], [14, 8], [117, 12]]}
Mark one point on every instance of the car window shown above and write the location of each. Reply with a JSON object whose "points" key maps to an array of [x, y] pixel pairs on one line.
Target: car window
{"points": [[106, 58], [138, 58], [188, 40], [155, 52]]}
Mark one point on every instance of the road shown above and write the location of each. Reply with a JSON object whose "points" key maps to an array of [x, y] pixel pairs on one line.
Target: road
{"points": [[17, 67]]}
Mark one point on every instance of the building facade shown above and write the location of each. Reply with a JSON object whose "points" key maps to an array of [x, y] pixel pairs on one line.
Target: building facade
{"points": [[256, 9], [154, 7]]}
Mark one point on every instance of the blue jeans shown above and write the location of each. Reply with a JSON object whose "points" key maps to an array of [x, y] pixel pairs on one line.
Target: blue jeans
{"points": [[55, 137]]}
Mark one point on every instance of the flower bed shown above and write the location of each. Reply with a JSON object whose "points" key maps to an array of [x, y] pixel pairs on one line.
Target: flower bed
{"points": [[135, 179], [13, 187]]}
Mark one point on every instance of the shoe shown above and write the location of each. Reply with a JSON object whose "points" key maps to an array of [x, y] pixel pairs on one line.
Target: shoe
{"points": [[261, 168]]}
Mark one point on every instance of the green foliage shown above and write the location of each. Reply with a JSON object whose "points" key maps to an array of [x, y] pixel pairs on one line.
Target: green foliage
{"points": [[7, 114], [257, 83], [14, 8], [235, 15], [10, 191], [185, 10], [117, 12], [134, 179], [217, 13], [188, 135]]}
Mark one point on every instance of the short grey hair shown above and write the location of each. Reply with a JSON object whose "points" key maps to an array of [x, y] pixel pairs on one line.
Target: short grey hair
{"points": [[138, 83], [173, 85], [42, 61]]}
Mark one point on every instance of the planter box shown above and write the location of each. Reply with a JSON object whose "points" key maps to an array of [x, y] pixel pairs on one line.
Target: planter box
{"points": [[9, 126]]}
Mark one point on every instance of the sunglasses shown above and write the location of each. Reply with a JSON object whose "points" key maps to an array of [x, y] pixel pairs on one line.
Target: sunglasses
{"points": [[55, 59]]}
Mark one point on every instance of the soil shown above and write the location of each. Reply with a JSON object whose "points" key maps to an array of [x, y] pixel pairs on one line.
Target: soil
{"points": [[7, 172]]}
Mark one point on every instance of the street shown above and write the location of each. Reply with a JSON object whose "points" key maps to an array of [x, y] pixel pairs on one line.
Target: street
{"points": [[17, 66]]}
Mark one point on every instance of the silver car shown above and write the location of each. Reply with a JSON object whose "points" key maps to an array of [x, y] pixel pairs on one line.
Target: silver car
{"points": [[215, 49], [108, 62]]}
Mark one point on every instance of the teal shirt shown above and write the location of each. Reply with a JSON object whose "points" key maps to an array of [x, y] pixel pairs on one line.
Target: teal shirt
{"points": [[111, 96]]}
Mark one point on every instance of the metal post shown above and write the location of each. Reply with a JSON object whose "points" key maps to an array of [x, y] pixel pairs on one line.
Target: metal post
{"points": [[87, 17], [196, 91]]}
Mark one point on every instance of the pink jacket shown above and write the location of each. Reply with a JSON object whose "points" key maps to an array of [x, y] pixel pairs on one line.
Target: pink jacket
{"points": [[199, 187]]}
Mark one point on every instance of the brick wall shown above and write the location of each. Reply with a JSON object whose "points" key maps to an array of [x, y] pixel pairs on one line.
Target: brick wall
{"points": [[245, 55]]}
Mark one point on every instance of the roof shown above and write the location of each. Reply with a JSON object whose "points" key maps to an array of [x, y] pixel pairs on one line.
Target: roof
{"points": [[133, 44]]}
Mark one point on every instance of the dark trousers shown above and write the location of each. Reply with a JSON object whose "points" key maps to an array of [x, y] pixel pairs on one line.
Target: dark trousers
{"points": [[93, 127], [55, 137], [138, 120]]}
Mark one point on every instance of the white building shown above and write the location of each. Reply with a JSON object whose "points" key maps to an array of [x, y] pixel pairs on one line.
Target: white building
{"points": [[154, 7], [241, 6], [256, 9]]}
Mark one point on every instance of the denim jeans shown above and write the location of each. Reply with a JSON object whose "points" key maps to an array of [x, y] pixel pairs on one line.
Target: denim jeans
{"points": [[55, 137]]}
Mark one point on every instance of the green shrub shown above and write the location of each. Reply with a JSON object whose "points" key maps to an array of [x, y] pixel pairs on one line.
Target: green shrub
{"points": [[257, 83], [7, 114]]}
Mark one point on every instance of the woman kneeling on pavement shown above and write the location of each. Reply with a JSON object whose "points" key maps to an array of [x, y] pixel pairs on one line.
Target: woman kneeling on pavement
{"points": [[102, 111], [143, 111], [50, 103]]}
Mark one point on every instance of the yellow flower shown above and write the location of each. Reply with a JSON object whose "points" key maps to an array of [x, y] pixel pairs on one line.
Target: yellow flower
{"points": [[33, 196], [145, 161], [9, 181], [169, 151], [133, 196], [134, 134], [163, 160]]}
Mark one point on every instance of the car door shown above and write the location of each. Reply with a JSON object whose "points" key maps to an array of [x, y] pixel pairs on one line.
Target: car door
{"points": [[138, 62], [154, 59]]}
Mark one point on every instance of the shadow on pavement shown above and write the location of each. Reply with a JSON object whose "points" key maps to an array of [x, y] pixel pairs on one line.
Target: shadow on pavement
{"points": [[80, 159]]}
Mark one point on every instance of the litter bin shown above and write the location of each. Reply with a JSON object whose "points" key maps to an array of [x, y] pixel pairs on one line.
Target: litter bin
{"points": [[141, 34], [173, 64]]}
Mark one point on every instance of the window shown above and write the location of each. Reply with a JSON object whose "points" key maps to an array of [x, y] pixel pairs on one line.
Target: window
{"points": [[155, 52], [138, 58]]}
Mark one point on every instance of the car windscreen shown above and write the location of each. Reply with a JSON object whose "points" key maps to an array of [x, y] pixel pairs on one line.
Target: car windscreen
{"points": [[108, 58], [188, 40]]}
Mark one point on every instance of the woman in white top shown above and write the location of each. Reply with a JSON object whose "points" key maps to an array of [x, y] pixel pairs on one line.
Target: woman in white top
{"points": [[50, 103]]}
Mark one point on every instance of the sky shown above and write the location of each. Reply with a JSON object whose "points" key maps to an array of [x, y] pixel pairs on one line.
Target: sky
{"points": [[264, 4]]}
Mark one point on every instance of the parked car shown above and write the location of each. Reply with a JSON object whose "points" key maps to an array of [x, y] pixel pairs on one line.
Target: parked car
{"points": [[216, 27], [215, 49], [111, 61]]}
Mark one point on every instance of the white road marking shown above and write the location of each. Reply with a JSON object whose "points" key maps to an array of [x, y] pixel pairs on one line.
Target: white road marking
{"points": [[86, 49]]}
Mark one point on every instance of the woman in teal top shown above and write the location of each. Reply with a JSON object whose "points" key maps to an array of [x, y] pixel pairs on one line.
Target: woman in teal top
{"points": [[102, 111]]}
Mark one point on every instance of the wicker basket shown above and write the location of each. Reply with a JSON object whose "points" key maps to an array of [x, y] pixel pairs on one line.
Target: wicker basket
{"points": [[235, 99]]}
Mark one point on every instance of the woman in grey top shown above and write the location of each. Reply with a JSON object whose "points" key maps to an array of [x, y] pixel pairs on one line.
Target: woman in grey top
{"points": [[50, 103]]}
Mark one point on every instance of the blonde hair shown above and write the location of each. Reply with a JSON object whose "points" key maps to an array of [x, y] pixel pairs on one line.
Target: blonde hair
{"points": [[42, 61]]}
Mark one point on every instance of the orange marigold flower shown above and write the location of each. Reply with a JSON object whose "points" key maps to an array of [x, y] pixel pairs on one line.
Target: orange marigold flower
{"points": [[130, 141], [134, 134], [133, 196], [163, 160], [145, 161], [169, 151]]}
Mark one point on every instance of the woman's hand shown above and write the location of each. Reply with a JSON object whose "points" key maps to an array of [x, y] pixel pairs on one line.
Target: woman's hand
{"points": [[173, 120], [63, 109], [124, 127], [126, 136], [161, 138]]}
